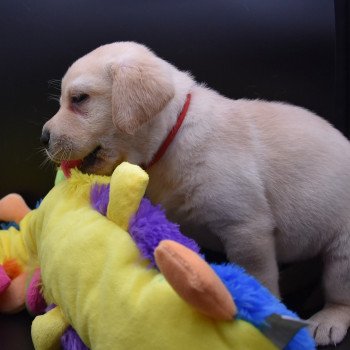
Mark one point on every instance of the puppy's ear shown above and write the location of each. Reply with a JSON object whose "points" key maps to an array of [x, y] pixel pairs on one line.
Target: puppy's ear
{"points": [[141, 89]]}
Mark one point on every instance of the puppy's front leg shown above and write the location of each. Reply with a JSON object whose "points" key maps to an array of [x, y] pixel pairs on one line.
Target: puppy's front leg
{"points": [[330, 325], [251, 245]]}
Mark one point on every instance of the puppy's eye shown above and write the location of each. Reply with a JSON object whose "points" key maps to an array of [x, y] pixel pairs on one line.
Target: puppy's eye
{"points": [[79, 98]]}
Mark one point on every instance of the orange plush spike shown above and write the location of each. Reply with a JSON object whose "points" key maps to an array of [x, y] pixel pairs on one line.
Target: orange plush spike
{"points": [[12, 268], [13, 208], [194, 280]]}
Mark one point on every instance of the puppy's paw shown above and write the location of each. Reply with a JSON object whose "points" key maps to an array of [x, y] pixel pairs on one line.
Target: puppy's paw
{"points": [[329, 326]]}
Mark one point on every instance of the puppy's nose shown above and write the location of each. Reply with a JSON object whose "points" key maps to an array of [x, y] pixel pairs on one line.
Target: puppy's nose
{"points": [[45, 138]]}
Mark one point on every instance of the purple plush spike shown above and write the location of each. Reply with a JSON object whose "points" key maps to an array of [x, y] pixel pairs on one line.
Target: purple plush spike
{"points": [[70, 340], [148, 227], [100, 198]]}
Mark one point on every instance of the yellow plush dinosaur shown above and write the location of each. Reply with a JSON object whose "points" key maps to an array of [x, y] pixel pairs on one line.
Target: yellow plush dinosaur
{"points": [[92, 271]]}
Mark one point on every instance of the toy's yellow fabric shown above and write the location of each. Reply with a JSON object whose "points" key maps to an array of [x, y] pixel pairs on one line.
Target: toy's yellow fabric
{"points": [[13, 247], [92, 270]]}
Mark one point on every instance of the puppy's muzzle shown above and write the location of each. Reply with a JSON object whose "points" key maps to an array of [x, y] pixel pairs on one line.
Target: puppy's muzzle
{"points": [[45, 138]]}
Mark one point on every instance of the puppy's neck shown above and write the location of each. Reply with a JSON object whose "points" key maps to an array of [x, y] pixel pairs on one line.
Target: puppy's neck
{"points": [[152, 135]]}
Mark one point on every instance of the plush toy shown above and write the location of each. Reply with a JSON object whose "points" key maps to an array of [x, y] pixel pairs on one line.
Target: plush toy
{"points": [[13, 258], [101, 280], [19, 280]]}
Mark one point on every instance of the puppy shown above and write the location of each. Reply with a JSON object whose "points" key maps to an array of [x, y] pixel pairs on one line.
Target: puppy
{"points": [[263, 182]]}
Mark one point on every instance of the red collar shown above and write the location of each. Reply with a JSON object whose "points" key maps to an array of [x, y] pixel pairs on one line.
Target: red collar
{"points": [[166, 143]]}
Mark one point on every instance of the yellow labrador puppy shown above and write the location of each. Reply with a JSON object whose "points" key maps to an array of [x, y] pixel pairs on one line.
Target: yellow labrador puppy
{"points": [[263, 182]]}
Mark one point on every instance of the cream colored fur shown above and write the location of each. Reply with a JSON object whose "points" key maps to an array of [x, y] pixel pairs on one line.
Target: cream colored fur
{"points": [[264, 182]]}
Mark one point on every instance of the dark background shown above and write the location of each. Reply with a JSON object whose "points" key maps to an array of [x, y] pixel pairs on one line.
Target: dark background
{"points": [[289, 50], [276, 50]]}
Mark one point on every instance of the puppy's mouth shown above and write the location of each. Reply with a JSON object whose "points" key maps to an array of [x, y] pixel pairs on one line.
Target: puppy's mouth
{"points": [[84, 164]]}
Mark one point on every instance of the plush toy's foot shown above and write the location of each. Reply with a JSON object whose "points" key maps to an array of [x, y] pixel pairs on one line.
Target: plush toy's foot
{"points": [[194, 280], [13, 208], [12, 299], [47, 330]]}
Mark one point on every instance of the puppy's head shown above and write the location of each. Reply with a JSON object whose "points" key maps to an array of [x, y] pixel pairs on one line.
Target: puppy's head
{"points": [[106, 98]]}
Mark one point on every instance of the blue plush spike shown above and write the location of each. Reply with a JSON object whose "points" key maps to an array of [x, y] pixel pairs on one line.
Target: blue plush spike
{"points": [[255, 303]]}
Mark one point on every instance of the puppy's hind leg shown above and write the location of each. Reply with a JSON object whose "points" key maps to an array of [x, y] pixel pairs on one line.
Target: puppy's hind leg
{"points": [[329, 326]]}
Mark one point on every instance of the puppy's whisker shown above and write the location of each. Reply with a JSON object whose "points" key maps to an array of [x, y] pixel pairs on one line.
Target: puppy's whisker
{"points": [[55, 83], [53, 156], [53, 97], [45, 162]]}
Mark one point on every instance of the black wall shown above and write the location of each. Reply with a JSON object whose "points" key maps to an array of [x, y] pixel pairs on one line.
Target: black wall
{"points": [[289, 50]]}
